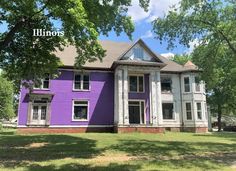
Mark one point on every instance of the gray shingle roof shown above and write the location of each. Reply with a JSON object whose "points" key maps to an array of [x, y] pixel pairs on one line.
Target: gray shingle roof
{"points": [[113, 52]]}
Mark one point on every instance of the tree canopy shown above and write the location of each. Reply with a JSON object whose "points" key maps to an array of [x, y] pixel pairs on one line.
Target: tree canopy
{"points": [[6, 98], [213, 24], [27, 57], [181, 59]]}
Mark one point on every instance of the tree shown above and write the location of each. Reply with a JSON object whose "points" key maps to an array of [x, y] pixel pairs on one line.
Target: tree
{"points": [[181, 59], [6, 99], [27, 57], [213, 24]]}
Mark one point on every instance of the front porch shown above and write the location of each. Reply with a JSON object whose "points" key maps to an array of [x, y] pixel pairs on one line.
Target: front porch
{"points": [[137, 110]]}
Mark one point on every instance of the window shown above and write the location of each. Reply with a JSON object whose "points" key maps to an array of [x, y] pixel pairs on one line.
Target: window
{"points": [[188, 111], [138, 53], [81, 82], [166, 84], [136, 112], [136, 84], [199, 111], [43, 84], [38, 114], [80, 110], [168, 110], [197, 84], [186, 84]]}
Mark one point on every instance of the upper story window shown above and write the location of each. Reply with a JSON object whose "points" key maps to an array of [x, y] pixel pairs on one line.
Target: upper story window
{"points": [[199, 111], [81, 81], [138, 53], [197, 84], [168, 110], [166, 84], [80, 110], [136, 83], [188, 110], [186, 84], [43, 83]]}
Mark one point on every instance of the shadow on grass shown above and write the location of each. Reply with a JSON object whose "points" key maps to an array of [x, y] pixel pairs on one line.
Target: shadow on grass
{"points": [[19, 148], [77, 167], [177, 154], [25, 150], [226, 135]]}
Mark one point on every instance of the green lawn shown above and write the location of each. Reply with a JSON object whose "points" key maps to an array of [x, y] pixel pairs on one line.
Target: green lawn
{"points": [[101, 151]]}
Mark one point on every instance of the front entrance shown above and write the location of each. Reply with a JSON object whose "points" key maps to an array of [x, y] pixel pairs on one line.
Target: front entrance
{"points": [[39, 114], [136, 112]]}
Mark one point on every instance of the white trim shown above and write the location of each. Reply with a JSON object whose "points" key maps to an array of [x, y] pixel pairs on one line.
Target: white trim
{"points": [[137, 76], [188, 84], [19, 103], [81, 81], [68, 126], [79, 126], [171, 85], [144, 108], [41, 85], [199, 110], [85, 70], [80, 120], [174, 113], [185, 111], [195, 84]]}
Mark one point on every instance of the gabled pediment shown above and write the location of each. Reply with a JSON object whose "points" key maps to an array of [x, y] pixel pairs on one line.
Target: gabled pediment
{"points": [[139, 51]]}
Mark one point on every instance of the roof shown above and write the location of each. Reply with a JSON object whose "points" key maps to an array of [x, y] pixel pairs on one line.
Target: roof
{"points": [[114, 51]]}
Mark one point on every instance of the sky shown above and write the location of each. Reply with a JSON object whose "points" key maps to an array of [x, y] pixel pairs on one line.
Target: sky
{"points": [[143, 27]]}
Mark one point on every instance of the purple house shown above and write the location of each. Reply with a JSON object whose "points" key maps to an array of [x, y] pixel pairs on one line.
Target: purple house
{"points": [[132, 89]]}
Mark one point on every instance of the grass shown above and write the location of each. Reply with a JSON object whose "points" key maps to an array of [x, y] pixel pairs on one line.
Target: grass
{"points": [[101, 151]]}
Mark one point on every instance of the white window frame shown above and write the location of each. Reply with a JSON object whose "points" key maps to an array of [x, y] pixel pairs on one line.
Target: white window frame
{"points": [[81, 81], [144, 108], [38, 121], [171, 85], [199, 110], [189, 84], [195, 85], [191, 110], [163, 102], [41, 84], [73, 104], [136, 75], [139, 49]]}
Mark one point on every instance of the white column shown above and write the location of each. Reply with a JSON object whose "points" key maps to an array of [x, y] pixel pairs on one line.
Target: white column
{"points": [[120, 97], [125, 97], [158, 95], [153, 97]]}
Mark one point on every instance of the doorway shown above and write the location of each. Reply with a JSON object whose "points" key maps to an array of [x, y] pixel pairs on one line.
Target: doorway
{"points": [[136, 112]]}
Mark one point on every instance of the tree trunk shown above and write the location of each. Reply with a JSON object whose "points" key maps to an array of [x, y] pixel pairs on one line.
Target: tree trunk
{"points": [[219, 110]]}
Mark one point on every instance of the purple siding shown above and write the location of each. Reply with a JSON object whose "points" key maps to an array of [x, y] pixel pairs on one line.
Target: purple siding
{"points": [[100, 97], [143, 96]]}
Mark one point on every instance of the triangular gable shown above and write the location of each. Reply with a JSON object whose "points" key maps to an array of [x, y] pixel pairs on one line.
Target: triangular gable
{"points": [[139, 51]]}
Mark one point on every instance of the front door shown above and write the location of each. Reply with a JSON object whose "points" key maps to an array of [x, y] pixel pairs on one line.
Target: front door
{"points": [[39, 114], [136, 112]]}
